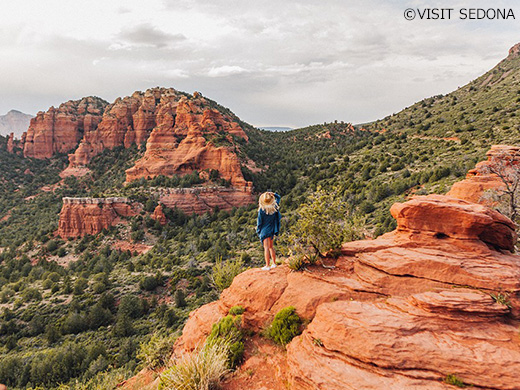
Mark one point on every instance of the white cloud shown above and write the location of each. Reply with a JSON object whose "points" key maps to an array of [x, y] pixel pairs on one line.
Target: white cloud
{"points": [[226, 70]]}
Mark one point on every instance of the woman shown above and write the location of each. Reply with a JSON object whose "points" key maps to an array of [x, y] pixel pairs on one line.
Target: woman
{"points": [[268, 225]]}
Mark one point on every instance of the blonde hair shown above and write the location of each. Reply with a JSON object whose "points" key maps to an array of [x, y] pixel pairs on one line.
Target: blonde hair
{"points": [[267, 203]]}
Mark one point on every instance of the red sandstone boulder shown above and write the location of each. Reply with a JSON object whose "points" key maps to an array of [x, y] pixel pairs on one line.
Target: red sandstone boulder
{"points": [[446, 216], [391, 314]]}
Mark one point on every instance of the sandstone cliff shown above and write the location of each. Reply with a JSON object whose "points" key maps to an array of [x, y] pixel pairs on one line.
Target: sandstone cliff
{"points": [[59, 130], [181, 132], [205, 199], [82, 216], [437, 297], [187, 138]]}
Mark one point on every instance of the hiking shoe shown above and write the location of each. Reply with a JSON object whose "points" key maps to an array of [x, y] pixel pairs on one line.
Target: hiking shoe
{"points": [[273, 266], [266, 268]]}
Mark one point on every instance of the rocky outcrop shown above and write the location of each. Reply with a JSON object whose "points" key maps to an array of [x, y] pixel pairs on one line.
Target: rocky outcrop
{"points": [[481, 179], [515, 50], [59, 130], [201, 200], [82, 216], [10, 143], [439, 296], [182, 134], [125, 122], [158, 215], [190, 136]]}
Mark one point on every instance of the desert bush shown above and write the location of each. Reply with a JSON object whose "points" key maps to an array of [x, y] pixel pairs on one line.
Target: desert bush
{"points": [[156, 353], [452, 379], [229, 331], [179, 298], [296, 262], [201, 370], [236, 310], [224, 272], [324, 223], [285, 326]]}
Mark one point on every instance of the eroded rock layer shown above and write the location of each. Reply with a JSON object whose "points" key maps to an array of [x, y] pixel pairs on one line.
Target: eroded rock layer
{"points": [[82, 216], [205, 199]]}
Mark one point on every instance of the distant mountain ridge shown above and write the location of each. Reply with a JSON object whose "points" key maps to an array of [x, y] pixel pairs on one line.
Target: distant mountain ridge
{"points": [[14, 122]]}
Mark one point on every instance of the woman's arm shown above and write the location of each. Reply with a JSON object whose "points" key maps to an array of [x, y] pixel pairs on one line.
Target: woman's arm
{"points": [[259, 222], [277, 197]]}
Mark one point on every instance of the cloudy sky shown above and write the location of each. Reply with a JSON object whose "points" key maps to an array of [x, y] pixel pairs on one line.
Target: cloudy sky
{"points": [[274, 63]]}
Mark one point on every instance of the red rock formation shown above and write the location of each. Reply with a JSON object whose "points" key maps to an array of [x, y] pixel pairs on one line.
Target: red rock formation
{"points": [[59, 130], [204, 199], [185, 140], [10, 143], [182, 134], [82, 216], [480, 180], [126, 121], [393, 313], [159, 216]]}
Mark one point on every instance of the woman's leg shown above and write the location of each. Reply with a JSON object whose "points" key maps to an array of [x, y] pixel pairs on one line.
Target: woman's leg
{"points": [[271, 250], [266, 251]]}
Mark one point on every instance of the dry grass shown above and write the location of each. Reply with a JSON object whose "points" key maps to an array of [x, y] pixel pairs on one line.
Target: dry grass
{"points": [[201, 370]]}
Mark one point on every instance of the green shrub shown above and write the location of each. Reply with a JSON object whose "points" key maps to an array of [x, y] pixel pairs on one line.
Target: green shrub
{"points": [[229, 330], [201, 370], [296, 263], [156, 353], [452, 379], [225, 272], [323, 224], [179, 298], [285, 326], [148, 283], [236, 310]]}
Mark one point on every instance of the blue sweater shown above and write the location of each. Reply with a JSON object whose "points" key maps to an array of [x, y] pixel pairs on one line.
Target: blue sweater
{"points": [[268, 225]]}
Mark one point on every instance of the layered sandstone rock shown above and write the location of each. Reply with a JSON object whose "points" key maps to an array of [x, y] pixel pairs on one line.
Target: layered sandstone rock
{"points": [[59, 130], [201, 200], [182, 134], [439, 296], [127, 121], [82, 216], [481, 179], [187, 138]]}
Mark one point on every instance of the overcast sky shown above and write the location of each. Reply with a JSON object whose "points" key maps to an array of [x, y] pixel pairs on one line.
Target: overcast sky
{"points": [[274, 63]]}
